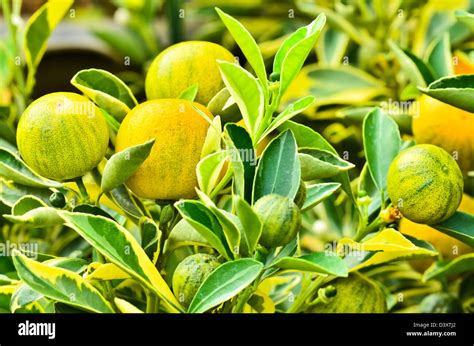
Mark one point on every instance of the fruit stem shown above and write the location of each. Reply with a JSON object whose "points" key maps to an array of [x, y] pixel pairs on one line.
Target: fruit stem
{"points": [[305, 295], [361, 233], [246, 294], [82, 190], [152, 303]]}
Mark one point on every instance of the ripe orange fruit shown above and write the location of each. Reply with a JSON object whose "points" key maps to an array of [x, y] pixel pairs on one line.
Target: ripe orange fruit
{"points": [[448, 247], [169, 172], [446, 126]]}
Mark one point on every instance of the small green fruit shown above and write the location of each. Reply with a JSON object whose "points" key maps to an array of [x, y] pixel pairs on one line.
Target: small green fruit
{"points": [[281, 220]]}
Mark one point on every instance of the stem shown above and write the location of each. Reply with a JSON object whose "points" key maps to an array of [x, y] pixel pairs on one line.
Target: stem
{"points": [[308, 292], [366, 230], [246, 294], [82, 190], [152, 303]]}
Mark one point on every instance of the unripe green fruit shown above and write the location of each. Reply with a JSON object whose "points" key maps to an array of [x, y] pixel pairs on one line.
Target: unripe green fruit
{"points": [[281, 220], [190, 274], [57, 200]]}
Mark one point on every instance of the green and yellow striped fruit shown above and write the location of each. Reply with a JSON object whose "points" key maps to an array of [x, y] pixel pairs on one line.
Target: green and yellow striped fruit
{"points": [[62, 136], [190, 274], [425, 183], [281, 220], [355, 294], [184, 64], [169, 172]]}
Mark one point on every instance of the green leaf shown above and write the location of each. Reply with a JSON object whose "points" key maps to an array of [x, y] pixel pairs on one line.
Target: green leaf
{"points": [[341, 85], [25, 295], [13, 168], [60, 284], [317, 262], [123, 164], [335, 19], [278, 170], [306, 137], [126, 307], [387, 245], [251, 226], [189, 93], [183, 234], [124, 41], [206, 224], [466, 18], [6, 66], [457, 91], [224, 105], [126, 201], [247, 93], [212, 142], [316, 193], [331, 47], [119, 246], [209, 170], [37, 31], [243, 159], [415, 69], [27, 203], [381, 144], [293, 57], [38, 217], [459, 226], [106, 90], [150, 241], [224, 283], [229, 222], [459, 265], [319, 164], [440, 58], [10, 192], [247, 45], [290, 111]]}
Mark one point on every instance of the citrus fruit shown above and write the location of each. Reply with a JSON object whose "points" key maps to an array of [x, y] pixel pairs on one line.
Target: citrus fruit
{"points": [[447, 246], [190, 274], [281, 220], [425, 184], [463, 64], [356, 294], [169, 172], [57, 199], [446, 126], [62, 136], [184, 64], [439, 303]]}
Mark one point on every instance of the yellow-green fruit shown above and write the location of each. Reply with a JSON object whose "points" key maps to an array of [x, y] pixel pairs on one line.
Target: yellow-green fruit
{"points": [[446, 126], [355, 294], [281, 220], [190, 274], [425, 184], [62, 136], [180, 66], [169, 172]]}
